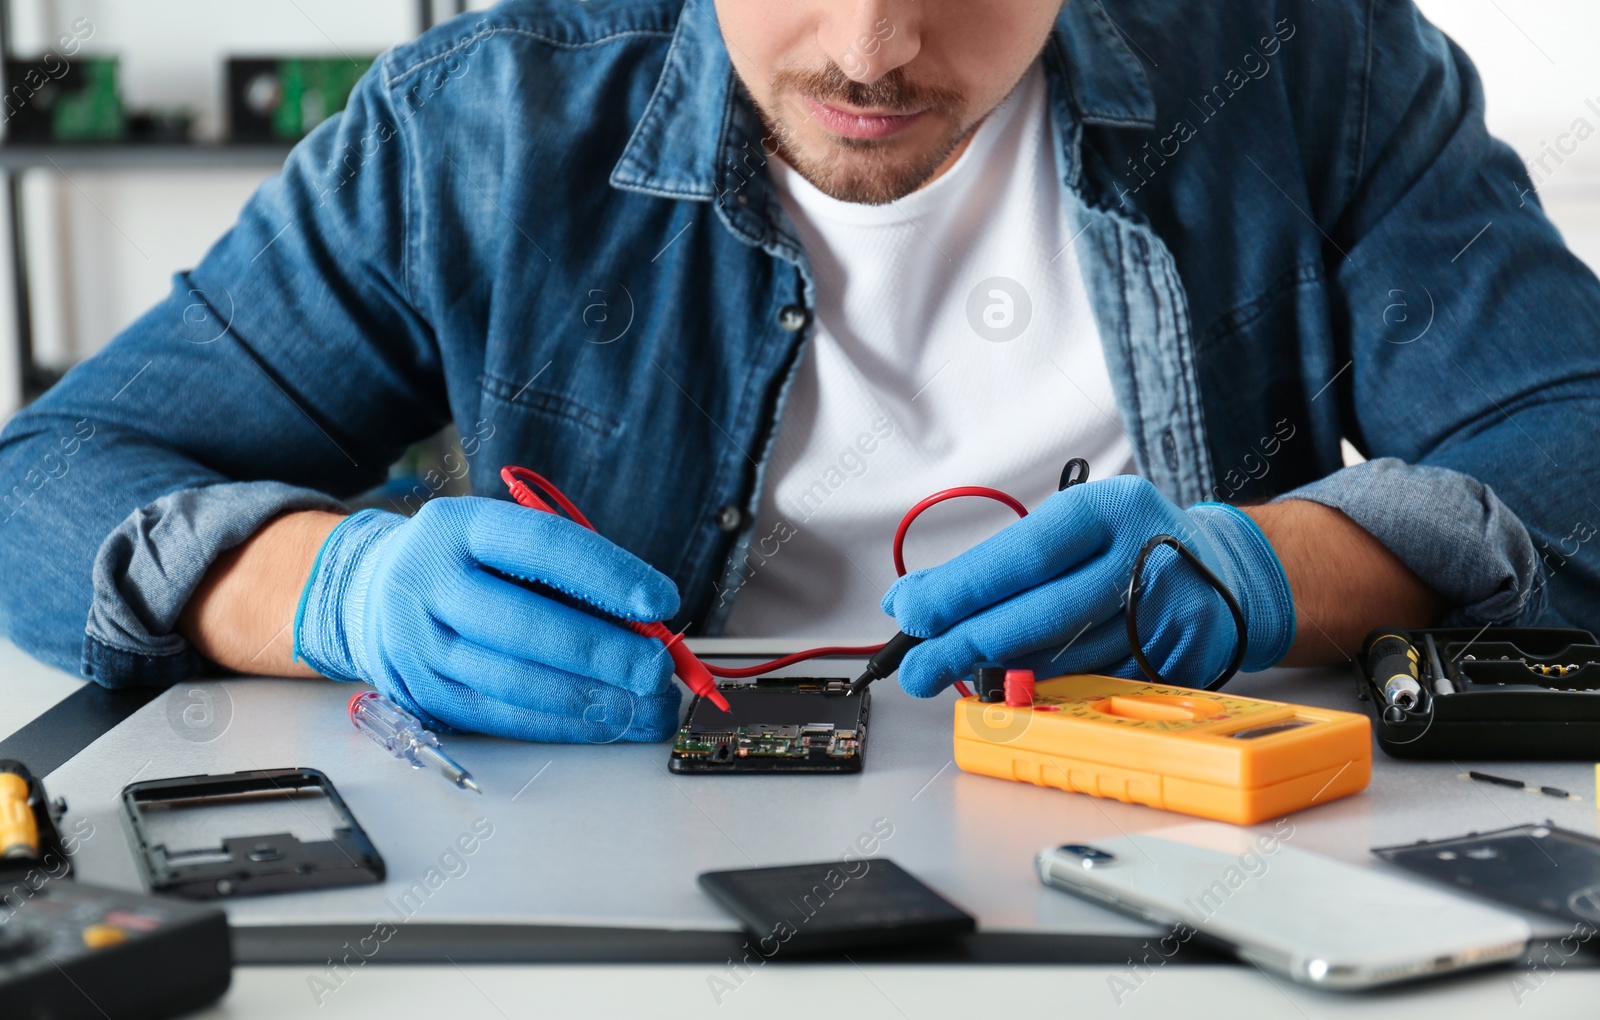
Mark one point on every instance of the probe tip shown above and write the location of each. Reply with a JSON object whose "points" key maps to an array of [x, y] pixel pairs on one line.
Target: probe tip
{"points": [[467, 783]]}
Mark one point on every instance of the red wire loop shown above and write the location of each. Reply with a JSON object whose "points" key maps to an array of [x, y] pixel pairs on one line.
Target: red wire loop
{"points": [[843, 651], [522, 482], [940, 497]]}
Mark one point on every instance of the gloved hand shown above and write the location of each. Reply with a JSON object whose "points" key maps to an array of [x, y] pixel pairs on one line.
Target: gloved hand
{"points": [[411, 605], [1048, 593]]}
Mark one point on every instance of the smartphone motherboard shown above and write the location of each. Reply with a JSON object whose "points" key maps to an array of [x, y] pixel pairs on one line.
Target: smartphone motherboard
{"points": [[778, 724]]}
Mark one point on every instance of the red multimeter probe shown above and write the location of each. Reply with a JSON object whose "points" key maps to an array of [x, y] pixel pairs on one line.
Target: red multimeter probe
{"points": [[694, 672], [700, 676]]}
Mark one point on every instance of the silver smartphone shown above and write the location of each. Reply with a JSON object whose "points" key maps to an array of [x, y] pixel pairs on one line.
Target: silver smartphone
{"points": [[1319, 921]]}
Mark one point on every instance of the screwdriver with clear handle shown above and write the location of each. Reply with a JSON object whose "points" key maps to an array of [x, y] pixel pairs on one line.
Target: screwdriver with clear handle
{"points": [[403, 735]]}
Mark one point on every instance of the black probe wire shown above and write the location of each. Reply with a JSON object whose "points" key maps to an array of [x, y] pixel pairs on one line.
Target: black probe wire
{"points": [[1136, 588], [1075, 472]]}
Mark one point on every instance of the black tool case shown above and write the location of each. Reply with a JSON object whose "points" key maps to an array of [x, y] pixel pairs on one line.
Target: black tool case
{"points": [[1519, 693], [70, 951]]}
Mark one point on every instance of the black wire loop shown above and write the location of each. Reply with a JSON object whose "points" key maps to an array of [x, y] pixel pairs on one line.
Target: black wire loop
{"points": [[1076, 472], [1134, 591]]}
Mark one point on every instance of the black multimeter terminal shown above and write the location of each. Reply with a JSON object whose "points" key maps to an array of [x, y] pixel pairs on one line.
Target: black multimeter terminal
{"points": [[990, 678]]}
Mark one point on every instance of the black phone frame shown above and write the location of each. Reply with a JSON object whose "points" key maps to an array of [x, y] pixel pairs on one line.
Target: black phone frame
{"points": [[257, 864]]}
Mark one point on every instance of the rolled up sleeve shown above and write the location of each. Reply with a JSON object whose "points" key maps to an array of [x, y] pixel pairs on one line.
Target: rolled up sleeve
{"points": [[1478, 420], [146, 570], [1450, 529]]}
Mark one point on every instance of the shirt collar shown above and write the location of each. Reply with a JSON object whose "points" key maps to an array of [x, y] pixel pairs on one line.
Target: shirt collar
{"points": [[1108, 84], [675, 148], [698, 120]]}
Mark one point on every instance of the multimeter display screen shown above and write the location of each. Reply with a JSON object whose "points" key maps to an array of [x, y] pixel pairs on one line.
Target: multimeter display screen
{"points": [[1267, 730]]}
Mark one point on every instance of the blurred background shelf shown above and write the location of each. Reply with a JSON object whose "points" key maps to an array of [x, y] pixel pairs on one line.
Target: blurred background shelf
{"points": [[92, 231], [100, 156]]}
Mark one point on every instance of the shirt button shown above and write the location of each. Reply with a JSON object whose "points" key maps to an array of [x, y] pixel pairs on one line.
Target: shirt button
{"points": [[1169, 447], [793, 318], [729, 517]]}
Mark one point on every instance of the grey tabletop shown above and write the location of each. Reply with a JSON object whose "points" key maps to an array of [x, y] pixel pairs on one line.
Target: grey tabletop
{"points": [[604, 835]]}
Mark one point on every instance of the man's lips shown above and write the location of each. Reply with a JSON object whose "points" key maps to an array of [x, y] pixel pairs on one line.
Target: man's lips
{"points": [[859, 125]]}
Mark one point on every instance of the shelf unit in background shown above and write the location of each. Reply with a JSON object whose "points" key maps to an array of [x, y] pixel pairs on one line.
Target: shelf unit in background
{"points": [[16, 160]]}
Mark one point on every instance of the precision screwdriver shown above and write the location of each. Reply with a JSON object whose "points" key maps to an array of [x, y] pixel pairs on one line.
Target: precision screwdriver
{"points": [[19, 832], [403, 735], [1391, 661]]}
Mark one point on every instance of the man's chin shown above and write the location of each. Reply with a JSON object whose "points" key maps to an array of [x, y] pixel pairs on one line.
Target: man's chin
{"points": [[867, 172], [849, 184]]}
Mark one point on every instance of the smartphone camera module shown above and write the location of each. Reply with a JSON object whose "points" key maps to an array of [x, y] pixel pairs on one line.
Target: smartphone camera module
{"points": [[1089, 856]]}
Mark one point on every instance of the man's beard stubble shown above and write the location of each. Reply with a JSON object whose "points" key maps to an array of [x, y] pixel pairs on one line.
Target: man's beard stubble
{"points": [[863, 170]]}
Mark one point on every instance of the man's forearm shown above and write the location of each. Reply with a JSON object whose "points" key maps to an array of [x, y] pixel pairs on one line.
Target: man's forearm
{"points": [[1343, 581], [242, 615]]}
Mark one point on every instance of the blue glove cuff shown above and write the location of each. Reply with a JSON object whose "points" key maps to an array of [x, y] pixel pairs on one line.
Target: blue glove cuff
{"points": [[331, 613], [1252, 570]]}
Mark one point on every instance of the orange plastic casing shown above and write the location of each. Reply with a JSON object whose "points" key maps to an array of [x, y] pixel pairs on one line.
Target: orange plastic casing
{"points": [[1168, 747]]}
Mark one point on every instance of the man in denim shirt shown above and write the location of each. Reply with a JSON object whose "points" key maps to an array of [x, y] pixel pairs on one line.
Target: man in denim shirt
{"points": [[1289, 222]]}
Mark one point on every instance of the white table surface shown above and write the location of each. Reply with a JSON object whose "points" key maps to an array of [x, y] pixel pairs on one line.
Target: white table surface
{"points": [[592, 807]]}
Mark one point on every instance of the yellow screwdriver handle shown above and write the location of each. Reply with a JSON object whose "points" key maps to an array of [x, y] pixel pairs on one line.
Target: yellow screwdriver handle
{"points": [[19, 832]]}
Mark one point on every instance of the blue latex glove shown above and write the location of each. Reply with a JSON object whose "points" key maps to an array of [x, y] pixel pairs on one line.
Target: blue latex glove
{"points": [[412, 606], [1048, 593]]}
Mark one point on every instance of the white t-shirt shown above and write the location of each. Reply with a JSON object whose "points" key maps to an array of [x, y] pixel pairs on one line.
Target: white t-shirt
{"points": [[954, 345]]}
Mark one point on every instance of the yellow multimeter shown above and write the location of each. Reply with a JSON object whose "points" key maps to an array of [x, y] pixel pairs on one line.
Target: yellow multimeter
{"points": [[1220, 756]]}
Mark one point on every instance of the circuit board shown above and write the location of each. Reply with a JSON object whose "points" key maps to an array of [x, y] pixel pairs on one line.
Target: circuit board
{"points": [[778, 724]]}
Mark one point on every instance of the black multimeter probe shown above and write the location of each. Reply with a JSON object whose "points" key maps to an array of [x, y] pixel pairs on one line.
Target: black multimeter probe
{"points": [[1076, 472], [894, 651]]}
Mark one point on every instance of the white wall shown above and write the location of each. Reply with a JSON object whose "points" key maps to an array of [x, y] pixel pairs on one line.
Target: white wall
{"points": [[105, 245], [1539, 71], [1537, 61]]}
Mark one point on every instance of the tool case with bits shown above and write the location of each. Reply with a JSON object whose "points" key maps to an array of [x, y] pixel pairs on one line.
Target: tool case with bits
{"points": [[71, 951], [1507, 693]]}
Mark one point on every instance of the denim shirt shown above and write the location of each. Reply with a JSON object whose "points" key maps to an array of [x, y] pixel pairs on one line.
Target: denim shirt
{"points": [[552, 225]]}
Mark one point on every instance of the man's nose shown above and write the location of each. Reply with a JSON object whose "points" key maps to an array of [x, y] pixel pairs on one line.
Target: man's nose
{"points": [[870, 38]]}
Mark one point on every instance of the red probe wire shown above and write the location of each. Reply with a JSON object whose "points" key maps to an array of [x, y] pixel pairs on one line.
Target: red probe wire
{"points": [[940, 497], [697, 674], [684, 662]]}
